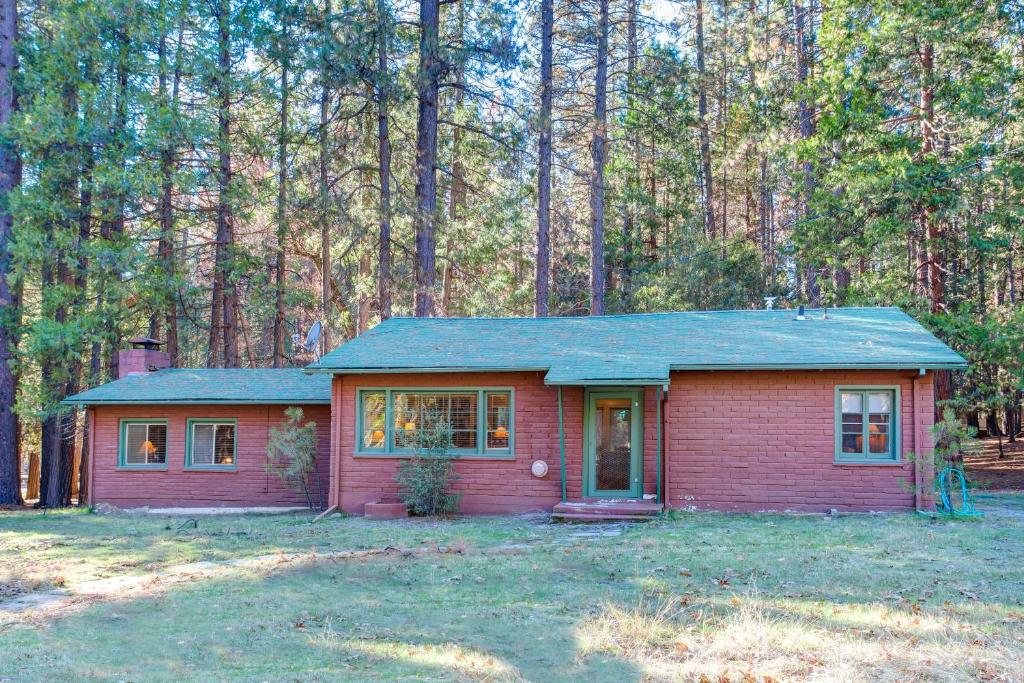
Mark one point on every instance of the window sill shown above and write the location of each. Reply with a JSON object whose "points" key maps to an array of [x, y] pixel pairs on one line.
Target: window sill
{"points": [[211, 468], [453, 456], [142, 468], [869, 463]]}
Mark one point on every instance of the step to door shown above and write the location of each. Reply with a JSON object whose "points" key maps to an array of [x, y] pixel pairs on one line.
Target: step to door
{"points": [[599, 510]]}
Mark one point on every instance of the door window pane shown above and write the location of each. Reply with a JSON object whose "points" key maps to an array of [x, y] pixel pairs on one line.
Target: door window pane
{"points": [[613, 447]]}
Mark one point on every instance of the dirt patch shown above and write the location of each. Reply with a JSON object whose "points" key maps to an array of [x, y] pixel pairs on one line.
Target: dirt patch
{"points": [[986, 470]]}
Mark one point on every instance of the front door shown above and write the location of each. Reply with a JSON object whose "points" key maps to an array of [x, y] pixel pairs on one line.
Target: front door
{"points": [[613, 444]]}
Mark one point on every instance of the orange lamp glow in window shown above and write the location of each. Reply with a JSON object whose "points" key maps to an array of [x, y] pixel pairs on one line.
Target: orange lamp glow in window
{"points": [[378, 435], [501, 433], [147, 448], [409, 426]]}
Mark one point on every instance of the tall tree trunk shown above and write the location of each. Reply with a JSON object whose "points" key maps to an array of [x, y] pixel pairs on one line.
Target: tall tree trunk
{"points": [[10, 176], [928, 226], [280, 268], [543, 273], [598, 150], [168, 162], [926, 216], [223, 310], [804, 27], [323, 153], [112, 199], [457, 193], [628, 222], [57, 371], [384, 163], [427, 85], [708, 198]]}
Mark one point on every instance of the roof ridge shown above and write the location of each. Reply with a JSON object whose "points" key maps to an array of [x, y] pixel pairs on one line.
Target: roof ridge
{"points": [[636, 315]]}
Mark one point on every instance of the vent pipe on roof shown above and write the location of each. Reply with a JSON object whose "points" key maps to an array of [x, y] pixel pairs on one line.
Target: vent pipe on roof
{"points": [[800, 313], [769, 302]]}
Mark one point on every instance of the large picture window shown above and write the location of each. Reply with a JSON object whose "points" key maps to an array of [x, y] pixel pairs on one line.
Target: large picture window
{"points": [[867, 424], [210, 445], [143, 444], [391, 420]]}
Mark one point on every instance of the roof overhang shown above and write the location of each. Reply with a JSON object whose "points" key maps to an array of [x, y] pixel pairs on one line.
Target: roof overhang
{"points": [[651, 380], [199, 402]]}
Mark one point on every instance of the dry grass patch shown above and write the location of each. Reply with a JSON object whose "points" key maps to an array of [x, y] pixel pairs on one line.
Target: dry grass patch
{"points": [[752, 638]]}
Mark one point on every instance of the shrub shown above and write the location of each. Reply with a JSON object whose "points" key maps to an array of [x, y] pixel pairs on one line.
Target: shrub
{"points": [[425, 479], [291, 455]]}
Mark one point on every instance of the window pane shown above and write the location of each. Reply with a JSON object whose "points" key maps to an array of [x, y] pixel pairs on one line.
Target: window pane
{"points": [[416, 412], [853, 403], [498, 424], [878, 433], [158, 444], [462, 418], [136, 449], [202, 444], [224, 446], [853, 443], [880, 403], [407, 419], [853, 433], [374, 426]]}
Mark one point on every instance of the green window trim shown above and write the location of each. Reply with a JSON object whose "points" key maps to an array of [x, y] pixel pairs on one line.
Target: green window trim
{"points": [[389, 449], [190, 426], [864, 456], [122, 445]]}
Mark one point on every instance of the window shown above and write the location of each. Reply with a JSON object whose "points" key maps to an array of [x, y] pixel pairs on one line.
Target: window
{"points": [[866, 423], [390, 420], [210, 445], [143, 444]]}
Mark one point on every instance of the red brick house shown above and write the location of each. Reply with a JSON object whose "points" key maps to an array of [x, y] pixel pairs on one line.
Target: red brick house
{"points": [[730, 410]]}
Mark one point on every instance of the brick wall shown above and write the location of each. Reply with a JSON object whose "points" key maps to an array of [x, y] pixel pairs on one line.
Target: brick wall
{"points": [[248, 485], [488, 485], [734, 441], [765, 441]]}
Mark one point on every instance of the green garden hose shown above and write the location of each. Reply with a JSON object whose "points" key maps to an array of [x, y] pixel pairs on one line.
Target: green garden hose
{"points": [[954, 499]]}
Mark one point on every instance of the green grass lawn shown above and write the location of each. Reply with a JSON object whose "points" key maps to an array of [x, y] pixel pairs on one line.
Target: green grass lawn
{"points": [[721, 597]]}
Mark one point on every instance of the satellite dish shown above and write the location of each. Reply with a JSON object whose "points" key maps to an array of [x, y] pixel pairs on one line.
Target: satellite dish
{"points": [[313, 336]]}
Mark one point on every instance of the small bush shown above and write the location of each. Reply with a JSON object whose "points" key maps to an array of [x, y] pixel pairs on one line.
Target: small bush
{"points": [[425, 479], [291, 455]]}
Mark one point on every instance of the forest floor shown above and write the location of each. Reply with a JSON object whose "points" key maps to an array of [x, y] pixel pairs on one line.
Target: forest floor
{"points": [[727, 597], [986, 470]]}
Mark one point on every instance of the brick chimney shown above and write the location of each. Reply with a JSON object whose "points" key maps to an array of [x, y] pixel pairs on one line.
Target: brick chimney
{"points": [[144, 357]]}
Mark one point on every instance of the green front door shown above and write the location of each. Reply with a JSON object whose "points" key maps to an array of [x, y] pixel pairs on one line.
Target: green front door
{"points": [[613, 444]]}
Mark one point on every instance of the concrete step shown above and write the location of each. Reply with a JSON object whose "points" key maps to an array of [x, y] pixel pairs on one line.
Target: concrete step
{"points": [[596, 510], [583, 517]]}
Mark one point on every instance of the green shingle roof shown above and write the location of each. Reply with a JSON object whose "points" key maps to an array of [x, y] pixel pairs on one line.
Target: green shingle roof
{"points": [[643, 348], [242, 385]]}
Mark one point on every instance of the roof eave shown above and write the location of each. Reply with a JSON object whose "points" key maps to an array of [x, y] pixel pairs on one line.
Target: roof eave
{"points": [[398, 370], [167, 402], [678, 367], [825, 366]]}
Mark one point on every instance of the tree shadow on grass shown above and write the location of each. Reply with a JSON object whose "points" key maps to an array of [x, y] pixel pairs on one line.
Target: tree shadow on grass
{"points": [[381, 618]]}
